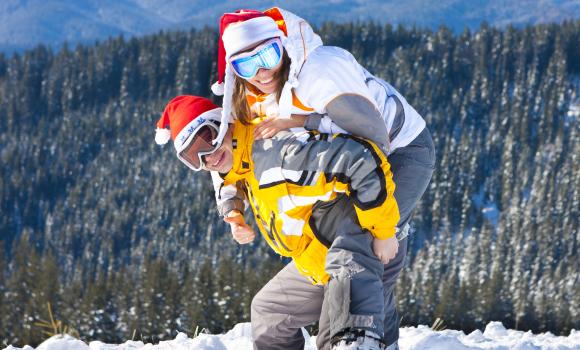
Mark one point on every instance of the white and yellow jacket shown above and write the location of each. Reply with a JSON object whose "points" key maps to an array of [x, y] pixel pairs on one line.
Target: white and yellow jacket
{"points": [[284, 177]]}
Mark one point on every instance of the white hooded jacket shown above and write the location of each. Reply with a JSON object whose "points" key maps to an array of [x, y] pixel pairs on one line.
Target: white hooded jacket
{"points": [[336, 93]]}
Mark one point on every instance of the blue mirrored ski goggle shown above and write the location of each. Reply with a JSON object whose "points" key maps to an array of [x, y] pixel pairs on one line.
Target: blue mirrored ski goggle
{"points": [[267, 56]]}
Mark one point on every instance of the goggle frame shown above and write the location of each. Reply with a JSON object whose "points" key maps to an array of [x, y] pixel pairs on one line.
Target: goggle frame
{"points": [[191, 138], [259, 57]]}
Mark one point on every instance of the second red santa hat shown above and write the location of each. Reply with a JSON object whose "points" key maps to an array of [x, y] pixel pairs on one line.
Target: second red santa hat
{"points": [[181, 117]]}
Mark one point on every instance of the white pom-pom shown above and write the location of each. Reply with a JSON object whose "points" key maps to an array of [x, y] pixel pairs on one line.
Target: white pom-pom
{"points": [[217, 88], [162, 136]]}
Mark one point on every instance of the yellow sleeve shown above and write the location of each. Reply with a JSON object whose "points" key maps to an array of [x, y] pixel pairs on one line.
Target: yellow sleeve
{"points": [[381, 220]]}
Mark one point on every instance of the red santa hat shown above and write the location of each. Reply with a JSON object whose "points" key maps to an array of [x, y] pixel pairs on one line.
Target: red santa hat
{"points": [[239, 30], [183, 115]]}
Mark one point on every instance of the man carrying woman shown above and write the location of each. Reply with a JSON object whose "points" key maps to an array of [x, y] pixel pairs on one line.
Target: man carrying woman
{"points": [[275, 74]]}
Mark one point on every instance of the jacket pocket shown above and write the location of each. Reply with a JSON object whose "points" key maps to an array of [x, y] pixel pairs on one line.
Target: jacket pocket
{"points": [[311, 263]]}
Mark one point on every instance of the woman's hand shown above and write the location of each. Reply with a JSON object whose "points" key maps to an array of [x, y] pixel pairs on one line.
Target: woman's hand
{"points": [[386, 249], [271, 125], [242, 233]]}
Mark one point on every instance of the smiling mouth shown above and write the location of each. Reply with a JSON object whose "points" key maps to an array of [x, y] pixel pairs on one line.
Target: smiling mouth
{"points": [[266, 82], [220, 160]]}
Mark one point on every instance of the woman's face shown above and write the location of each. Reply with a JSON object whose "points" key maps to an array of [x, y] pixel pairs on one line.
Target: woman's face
{"points": [[265, 80]]}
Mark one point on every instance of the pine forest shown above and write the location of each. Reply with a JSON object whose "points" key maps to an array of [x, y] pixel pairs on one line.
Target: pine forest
{"points": [[125, 242]]}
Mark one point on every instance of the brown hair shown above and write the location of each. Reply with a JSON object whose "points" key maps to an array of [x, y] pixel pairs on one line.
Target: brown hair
{"points": [[240, 106]]}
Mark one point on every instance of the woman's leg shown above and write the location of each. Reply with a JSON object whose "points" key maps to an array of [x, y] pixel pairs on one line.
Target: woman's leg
{"points": [[353, 298], [412, 167], [286, 303], [390, 275]]}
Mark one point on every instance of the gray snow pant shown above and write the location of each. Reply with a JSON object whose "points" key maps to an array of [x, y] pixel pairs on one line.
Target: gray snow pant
{"points": [[290, 301]]}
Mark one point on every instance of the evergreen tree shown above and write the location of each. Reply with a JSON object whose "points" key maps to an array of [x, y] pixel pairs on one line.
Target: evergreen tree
{"points": [[205, 310]]}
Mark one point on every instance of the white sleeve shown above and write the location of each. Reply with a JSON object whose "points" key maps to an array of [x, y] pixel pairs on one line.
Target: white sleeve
{"points": [[334, 85], [328, 73]]}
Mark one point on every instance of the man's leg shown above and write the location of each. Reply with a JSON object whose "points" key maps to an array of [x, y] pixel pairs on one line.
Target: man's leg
{"points": [[323, 337], [286, 303]]}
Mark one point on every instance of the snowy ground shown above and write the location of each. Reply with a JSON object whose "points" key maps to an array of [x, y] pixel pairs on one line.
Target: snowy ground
{"points": [[495, 337]]}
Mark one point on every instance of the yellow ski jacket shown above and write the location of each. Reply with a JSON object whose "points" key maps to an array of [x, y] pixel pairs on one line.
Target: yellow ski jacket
{"points": [[285, 176]]}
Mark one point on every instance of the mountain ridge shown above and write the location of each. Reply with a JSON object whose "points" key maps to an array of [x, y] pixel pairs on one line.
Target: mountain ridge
{"points": [[27, 23]]}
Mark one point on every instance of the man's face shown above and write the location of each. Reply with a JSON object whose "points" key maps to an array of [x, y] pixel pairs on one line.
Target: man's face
{"points": [[222, 159]]}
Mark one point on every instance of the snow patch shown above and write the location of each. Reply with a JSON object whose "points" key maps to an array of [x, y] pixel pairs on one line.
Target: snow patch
{"points": [[494, 337], [63, 342], [494, 330]]}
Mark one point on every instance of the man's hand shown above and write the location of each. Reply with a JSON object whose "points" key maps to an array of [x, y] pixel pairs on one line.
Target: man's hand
{"points": [[270, 126], [242, 233], [385, 249]]}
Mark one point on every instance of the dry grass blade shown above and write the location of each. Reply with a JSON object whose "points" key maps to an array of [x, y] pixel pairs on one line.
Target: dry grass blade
{"points": [[47, 333], [54, 327], [50, 313], [438, 325], [42, 324]]}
